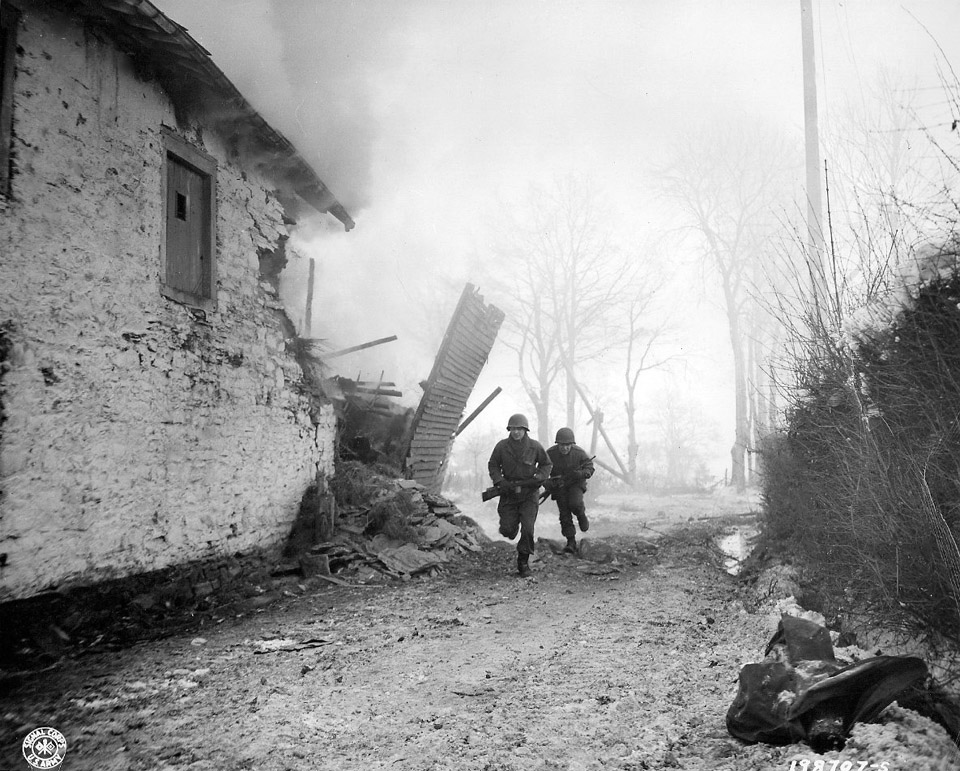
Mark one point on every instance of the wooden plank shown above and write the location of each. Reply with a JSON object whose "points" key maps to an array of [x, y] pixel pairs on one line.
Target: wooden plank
{"points": [[431, 441], [442, 408], [434, 433], [455, 376], [465, 352], [441, 416], [450, 389], [454, 384], [427, 471], [476, 347], [462, 356], [426, 451], [362, 346], [430, 444], [436, 458], [443, 401]]}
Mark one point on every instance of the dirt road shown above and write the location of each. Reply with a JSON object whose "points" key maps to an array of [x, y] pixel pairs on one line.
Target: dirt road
{"points": [[590, 665]]}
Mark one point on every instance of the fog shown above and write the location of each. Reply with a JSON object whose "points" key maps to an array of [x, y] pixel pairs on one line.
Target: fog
{"points": [[428, 120]]}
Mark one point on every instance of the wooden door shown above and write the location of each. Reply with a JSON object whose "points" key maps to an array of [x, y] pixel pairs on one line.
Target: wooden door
{"points": [[187, 216]]}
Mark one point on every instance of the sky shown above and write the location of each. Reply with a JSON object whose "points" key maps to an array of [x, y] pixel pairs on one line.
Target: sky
{"points": [[426, 118]]}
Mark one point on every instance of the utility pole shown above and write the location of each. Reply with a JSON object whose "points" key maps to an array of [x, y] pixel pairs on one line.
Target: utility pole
{"points": [[811, 134]]}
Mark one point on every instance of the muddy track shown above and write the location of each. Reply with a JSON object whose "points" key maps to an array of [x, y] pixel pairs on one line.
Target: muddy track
{"points": [[584, 667]]}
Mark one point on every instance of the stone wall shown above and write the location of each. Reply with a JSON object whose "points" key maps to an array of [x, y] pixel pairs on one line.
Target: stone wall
{"points": [[137, 434]]}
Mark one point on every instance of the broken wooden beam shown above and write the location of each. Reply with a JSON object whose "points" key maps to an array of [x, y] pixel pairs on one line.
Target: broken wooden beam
{"points": [[360, 347], [625, 475], [378, 391], [478, 410], [611, 470]]}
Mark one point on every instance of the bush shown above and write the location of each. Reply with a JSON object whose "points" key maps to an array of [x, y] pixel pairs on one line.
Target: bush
{"points": [[354, 483], [391, 516], [864, 483]]}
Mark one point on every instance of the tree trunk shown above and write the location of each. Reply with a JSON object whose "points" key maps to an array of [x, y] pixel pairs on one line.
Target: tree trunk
{"points": [[738, 477], [753, 390], [632, 445], [543, 412], [571, 384]]}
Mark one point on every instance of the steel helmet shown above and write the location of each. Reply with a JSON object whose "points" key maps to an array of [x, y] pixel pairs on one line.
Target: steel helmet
{"points": [[565, 436], [518, 421]]}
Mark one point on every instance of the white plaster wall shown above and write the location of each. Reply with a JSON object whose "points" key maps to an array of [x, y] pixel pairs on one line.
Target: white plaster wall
{"points": [[136, 436]]}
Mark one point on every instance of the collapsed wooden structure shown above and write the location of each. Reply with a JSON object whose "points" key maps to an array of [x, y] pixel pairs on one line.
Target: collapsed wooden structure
{"points": [[466, 345], [376, 427]]}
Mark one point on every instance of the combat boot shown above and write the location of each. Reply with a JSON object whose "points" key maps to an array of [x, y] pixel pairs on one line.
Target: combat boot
{"points": [[571, 546], [522, 567], [583, 521]]}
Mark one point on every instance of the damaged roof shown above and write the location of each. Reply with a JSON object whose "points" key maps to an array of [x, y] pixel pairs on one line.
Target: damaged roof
{"points": [[185, 69]]}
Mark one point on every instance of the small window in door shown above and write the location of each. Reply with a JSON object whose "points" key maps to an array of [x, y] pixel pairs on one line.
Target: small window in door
{"points": [[9, 18], [188, 264]]}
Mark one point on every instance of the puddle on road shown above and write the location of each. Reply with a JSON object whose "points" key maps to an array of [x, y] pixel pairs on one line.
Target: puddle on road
{"points": [[736, 547]]}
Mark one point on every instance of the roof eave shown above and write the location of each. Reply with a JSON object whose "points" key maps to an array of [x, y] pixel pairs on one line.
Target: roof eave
{"points": [[143, 31]]}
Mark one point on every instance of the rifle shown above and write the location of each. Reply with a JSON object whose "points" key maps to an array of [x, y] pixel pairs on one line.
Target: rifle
{"points": [[493, 492], [559, 478]]}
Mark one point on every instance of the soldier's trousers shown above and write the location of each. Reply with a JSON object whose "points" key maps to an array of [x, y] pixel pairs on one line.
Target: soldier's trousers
{"points": [[569, 505], [518, 514]]}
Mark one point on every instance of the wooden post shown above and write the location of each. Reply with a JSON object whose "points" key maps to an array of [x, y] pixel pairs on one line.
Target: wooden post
{"points": [[326, 521], [812, 144], [593, 414], [603, 433], [597, 420], [611, 470], [360, 347], [308, 311]]}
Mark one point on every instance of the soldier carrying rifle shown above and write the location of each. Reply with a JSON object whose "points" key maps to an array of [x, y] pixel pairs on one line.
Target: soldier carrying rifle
{"points": [[518, 467], [571, 470]]}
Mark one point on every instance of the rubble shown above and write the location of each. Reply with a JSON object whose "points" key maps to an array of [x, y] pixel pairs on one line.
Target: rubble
{"points": [[389, 527]]}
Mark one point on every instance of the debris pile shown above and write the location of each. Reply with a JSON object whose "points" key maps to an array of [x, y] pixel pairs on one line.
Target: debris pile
{"points": [[388, 527], [802, 692], [373, 425]]}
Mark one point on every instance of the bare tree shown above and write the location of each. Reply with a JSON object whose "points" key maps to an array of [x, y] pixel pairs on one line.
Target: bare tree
{"points": [[729, 184], [565, 278], [885, 190], [677, 431], [641, 355], [532, 333]]}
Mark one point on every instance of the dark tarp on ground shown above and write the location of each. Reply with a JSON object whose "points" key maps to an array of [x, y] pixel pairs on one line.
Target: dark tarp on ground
{"points": [[809, 696]]}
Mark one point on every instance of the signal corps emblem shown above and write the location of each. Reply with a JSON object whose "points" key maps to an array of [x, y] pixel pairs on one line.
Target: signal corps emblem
{"points": [[44, 748]]}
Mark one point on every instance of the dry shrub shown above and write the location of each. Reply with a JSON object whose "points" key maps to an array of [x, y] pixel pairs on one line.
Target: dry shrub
{"points": [[355, 484], [864, 484], [391, 516], [361, 486], [784, 495]]}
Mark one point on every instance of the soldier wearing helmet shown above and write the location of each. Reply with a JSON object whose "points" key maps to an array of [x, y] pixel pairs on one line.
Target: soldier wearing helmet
{"points": [[572, 467], [518, 466]]}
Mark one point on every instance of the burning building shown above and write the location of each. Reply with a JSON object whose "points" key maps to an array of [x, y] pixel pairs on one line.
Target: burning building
{"points": [[151, 410]]}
